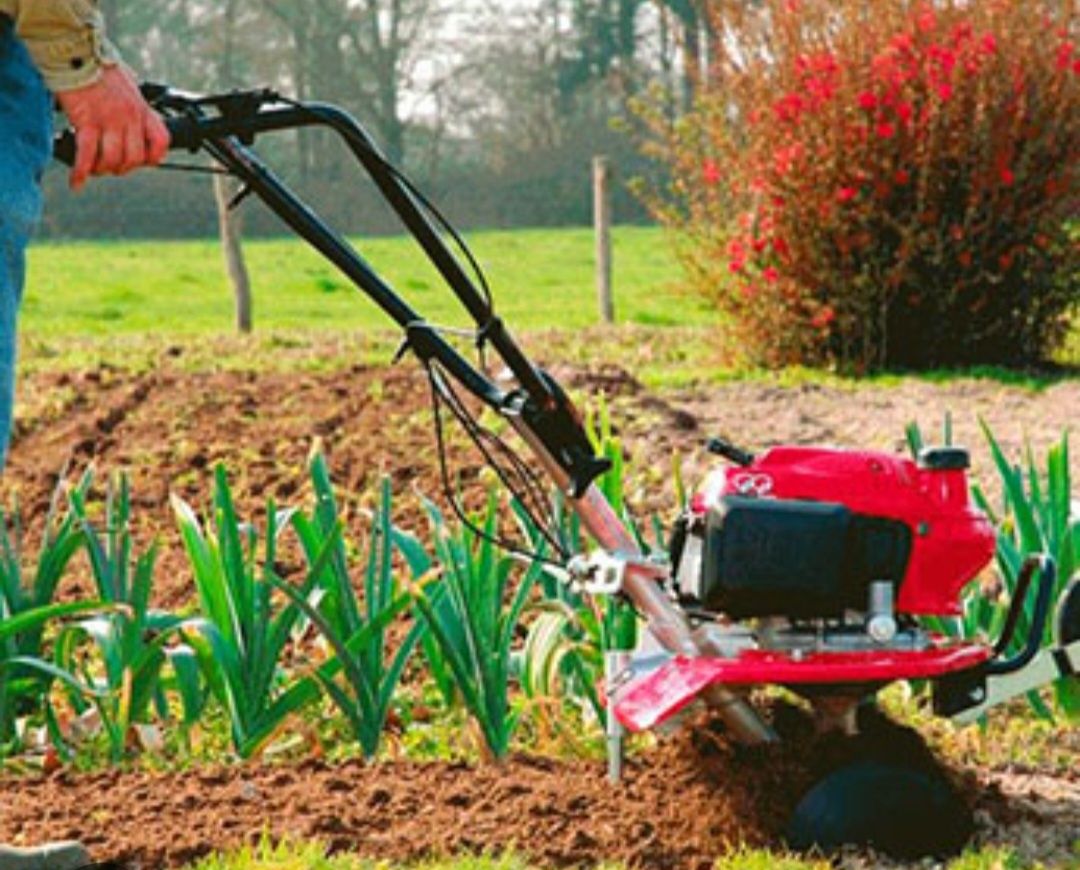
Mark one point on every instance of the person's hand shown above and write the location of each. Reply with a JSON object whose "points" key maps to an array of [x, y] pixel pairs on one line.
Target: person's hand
{"points": [[115, 130]]}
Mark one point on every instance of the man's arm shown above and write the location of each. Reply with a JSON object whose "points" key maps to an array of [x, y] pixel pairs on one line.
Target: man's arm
{"points": [[115, 130]]}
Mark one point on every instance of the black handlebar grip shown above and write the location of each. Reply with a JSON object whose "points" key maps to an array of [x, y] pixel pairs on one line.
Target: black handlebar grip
{"points": [[183, 136]]}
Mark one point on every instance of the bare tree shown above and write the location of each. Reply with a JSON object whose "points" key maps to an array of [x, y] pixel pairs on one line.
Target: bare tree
{"points": [[361, 53]]}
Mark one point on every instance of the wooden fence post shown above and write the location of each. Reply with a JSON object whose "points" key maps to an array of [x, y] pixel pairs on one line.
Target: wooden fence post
{"points": [[230, 228], [602, 222]]}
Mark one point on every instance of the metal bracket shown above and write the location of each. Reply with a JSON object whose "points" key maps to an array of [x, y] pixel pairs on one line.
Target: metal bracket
{"points": [[603, 573], [966, 698]]}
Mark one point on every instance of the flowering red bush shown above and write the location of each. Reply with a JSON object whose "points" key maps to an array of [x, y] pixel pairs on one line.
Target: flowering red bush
{"points": [[880, 183]]}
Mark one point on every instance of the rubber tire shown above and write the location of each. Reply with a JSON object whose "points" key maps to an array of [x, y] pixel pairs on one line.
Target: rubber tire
{"points": [[904, 812]]}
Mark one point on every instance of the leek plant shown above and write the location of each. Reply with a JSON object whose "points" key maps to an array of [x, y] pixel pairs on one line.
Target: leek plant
{"points": [[26, 677], [356, 633], [1035, 515], [27, 606], [134, 642], [565, 648], [422, 566], [242, 633], [472, 620]]}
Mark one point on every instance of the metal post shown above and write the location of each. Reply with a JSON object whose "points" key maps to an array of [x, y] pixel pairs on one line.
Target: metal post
{"points": [[602, 222], [615, 662]]}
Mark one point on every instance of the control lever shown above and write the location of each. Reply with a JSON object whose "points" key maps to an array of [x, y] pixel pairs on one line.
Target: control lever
{"points": [[722, 447]]}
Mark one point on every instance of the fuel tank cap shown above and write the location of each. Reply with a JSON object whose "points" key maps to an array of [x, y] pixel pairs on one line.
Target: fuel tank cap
{"points": [[944, 459]]}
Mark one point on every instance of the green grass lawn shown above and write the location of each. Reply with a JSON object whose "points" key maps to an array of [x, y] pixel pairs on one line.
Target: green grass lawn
{"points": [[541, 278], [312, 856]]}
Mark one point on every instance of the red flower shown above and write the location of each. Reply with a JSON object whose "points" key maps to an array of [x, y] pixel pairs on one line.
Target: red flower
{"points": [[902, 43], [780, 245], [770, 274], [823, 318], [736, 266], [846, 194], [904, 112], [902, 176], [785, 158], [1007, 177], [1076, 66], [885, 130], [789, 107], [926, 21], [944, 90], [1064, 55], [988, 43], [867, 101], [1005, 261], [964, 258], [944, 59], [710, 172]]}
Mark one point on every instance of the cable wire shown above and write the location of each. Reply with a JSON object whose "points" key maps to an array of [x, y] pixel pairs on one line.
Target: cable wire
{"points": [[523, 484], [527, 488]]}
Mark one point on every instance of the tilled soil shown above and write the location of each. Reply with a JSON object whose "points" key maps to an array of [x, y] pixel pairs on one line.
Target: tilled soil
{"points": [[169, 427], [681, 805]]}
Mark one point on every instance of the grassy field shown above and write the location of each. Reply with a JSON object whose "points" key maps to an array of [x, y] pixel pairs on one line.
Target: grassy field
{"points": [[116, 302], [541, 278]]}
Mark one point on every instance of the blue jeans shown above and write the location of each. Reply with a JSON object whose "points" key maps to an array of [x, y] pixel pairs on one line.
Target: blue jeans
{"points": [[25, 145]]}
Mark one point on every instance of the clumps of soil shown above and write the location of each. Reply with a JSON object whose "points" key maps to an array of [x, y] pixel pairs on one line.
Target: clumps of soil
{"points": [[682, 804]]}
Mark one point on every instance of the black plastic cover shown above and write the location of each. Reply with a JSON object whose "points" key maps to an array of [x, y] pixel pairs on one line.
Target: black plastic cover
{"points": [[800, 559]]}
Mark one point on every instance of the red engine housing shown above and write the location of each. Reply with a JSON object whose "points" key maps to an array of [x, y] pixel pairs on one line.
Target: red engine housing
{"points": [[951, 540]]}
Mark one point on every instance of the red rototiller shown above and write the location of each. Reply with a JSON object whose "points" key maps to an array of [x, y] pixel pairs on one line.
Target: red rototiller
{"points": [[806, 568]]}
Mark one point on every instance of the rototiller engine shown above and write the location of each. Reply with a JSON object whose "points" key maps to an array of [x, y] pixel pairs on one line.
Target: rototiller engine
{"points": [[803, 567], [807, 567]]}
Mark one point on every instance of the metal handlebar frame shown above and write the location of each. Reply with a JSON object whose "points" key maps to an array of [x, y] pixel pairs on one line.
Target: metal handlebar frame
{"points": [[226, 125]]}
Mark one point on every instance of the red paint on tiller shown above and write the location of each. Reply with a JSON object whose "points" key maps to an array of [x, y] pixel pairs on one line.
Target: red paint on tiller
{"points": [[653, 698]]}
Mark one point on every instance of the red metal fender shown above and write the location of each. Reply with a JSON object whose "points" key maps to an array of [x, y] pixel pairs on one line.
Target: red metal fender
{"points": [[652, 698]]}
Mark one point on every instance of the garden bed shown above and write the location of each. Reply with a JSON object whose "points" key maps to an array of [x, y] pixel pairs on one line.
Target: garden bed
{"points": [[170, 426], [683, 804]]}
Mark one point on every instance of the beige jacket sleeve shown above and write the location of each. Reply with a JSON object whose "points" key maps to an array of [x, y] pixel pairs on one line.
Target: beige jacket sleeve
{"points": [[66, 39]]}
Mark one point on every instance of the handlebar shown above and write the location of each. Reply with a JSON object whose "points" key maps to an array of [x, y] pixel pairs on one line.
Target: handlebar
{"points": [[224, 125], [183, 136]]}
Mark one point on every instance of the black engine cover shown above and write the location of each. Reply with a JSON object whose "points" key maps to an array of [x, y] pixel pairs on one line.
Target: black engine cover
{"points": [[801, 559]]}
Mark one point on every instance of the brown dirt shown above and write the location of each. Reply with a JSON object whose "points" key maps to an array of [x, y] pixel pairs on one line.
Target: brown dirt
{"points": [[169, 427], [681, 806]]}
